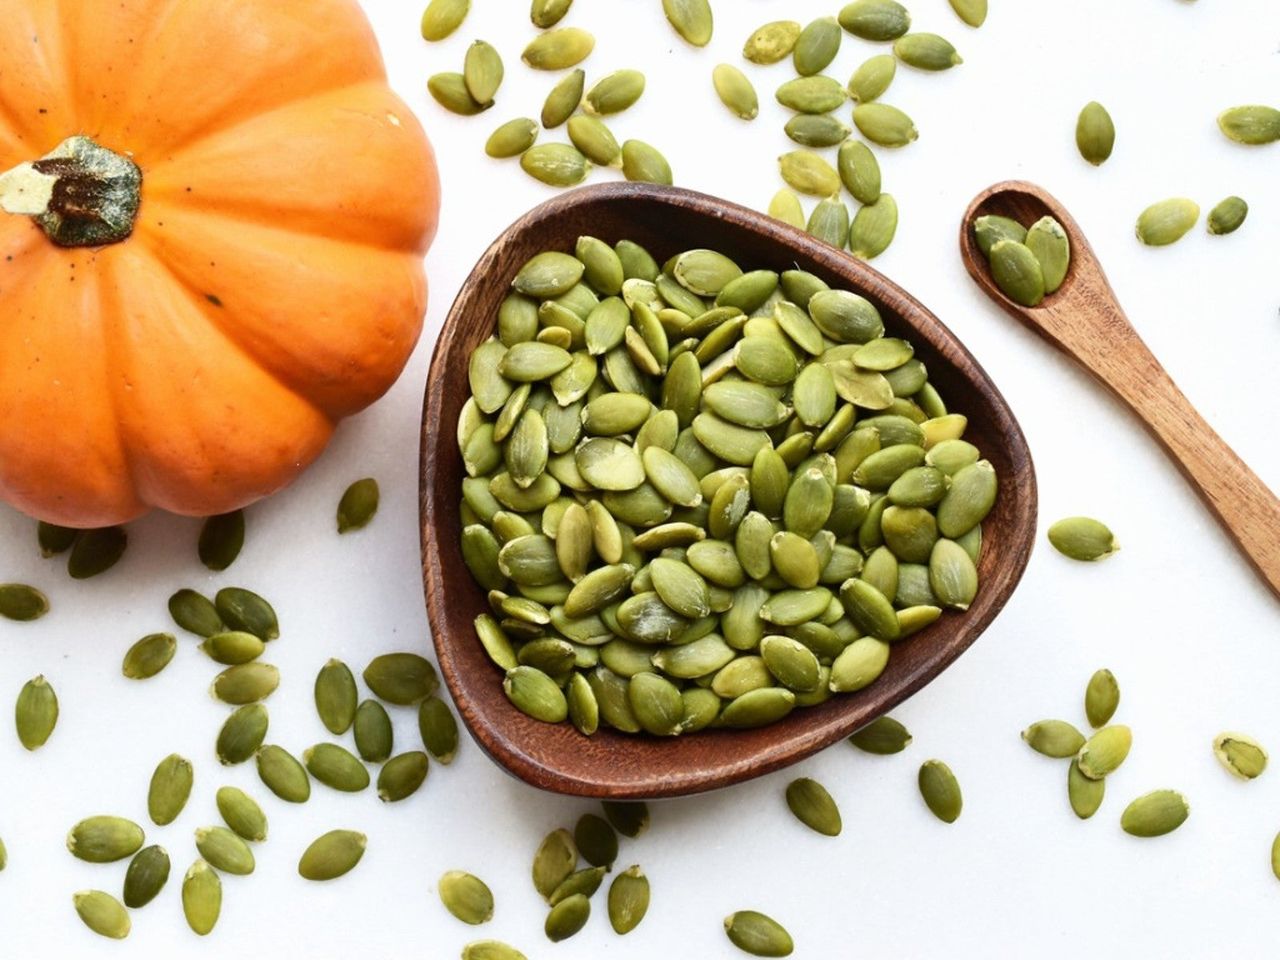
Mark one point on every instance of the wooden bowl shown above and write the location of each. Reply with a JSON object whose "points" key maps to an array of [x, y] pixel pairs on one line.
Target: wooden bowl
{"points": [[621, 766]]}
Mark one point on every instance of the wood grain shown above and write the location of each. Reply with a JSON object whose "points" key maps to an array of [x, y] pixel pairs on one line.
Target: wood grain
{"points": [[614, 765], [1084, 320]]}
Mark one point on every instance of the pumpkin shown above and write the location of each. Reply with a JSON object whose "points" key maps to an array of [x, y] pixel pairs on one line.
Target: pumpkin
{"points": [[220, 213]]}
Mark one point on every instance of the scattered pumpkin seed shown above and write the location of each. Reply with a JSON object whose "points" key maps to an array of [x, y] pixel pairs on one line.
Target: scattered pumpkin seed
{"points": [[335, 767], [555, 860], [283, 775], [146, 876], [244, 610], [615, 92], [772, 42], [149, 656], [1227, 216], [1167, 221], [884, 124], [567, 917], [491, 950], [224, 850], [332, 855], [467, 897], [941, 791], [874, 227], [735, 91], [879, 20], [1095, 133], [597, 143], [1054, 738], [816, 130], [246, 683], [629, 818], [547, 13], [96, 551], [170, 787], [691, 19], [813, 806], [807, 172], [242, 734], [1251, 125], [359, 503], [401, 776], [242, 813], [883, 736], [628, 900], [757, 934], [482, 71], [1101, 697], [817, 94], [816, 46], [1155, 814], [442, 17], [595, 840], [1103, 752], [195, 613], [373, 732], [54, 539], [438, 729], [449, 89], [1085, 795], [563, 99], [22, 603], [559, 49], [926, 51], [643, 163], [972, 12], [401, 678], [1083, 538], [36, 713], [1241, 755], [103, 914], [555, 164], [336, 697], [104, 839]]}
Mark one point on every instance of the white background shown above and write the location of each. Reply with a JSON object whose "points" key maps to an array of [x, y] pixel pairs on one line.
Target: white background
{"points": [[1188, 630]]}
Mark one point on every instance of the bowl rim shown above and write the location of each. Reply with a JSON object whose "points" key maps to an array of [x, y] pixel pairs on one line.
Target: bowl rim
{"points": [[437, 440]]}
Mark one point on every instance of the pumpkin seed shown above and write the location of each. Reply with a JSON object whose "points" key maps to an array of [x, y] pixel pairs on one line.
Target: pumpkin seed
{"points": [[242, 734], [54, 539], [283, 775], [656, 704], [860, 663], [1227, 216], [829, 222], [336, 696], [1275, 856], [567, 917], [225, 851], [232, 647], [817, 94], [1104, 751], [1048, 241], [1252, 124], [246, 683], [1084, 795], [1155, 814], [22, 603], [597, 143], [1241, 755], [816, 46], [559, 49], [757, 708], [102, 913], [149, 656], [874, 227], [615, 92], [1167, 221], [563, 99], [467, 897], [554, 861], [449, 89], [1017, 272], [860, 173], [170, 787], [147, 874], [884, 124], [358, 505], [926, 51], [735, 91], [547, 13], [555, 164], [335, 767], [691, 19], [1083, 538], [879, 20], [1101, 697], [512, 138], [242, 813], [401, 678], [772, 42], [813, 806], [990, 229], [809, 173], [491, 950], [373, 732], [244, 610], [882, 736], [201, 898], [104, 839], [1054, 738], [585, 882], [785, 206], [952, 575], [221, 539], [757, 934], [401, 776], [941, 791], [332, 855], [96, 551], [643, 163], [1095, 133], [482, 71], [36, 713], [438, 729], [972, 12], [535, 694], [629, 818], [442, 17], [595, 840]]}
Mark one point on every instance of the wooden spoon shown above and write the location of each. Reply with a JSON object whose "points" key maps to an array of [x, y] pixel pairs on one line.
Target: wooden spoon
{"points": [[615, 765], [1084, 320]]}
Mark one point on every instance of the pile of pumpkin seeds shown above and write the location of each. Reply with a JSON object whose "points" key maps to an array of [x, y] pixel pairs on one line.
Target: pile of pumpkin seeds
{"points": [[1027, 263], [701, 496]]}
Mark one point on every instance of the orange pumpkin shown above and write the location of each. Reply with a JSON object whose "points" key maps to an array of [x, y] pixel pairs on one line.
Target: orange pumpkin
{"points": [[194, 350]]}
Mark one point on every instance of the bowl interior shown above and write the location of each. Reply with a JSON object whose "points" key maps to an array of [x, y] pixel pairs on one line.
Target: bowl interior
{"points": [[613, 765]]}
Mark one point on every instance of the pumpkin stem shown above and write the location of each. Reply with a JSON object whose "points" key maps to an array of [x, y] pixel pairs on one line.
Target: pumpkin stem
{"points": [[81, 194]]}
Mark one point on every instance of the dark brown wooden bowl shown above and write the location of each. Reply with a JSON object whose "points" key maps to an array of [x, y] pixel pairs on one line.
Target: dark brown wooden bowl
{"points": [[621, 766]]}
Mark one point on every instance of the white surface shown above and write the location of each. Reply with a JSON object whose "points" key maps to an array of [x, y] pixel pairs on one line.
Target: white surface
{"points": [[1177, 615]]}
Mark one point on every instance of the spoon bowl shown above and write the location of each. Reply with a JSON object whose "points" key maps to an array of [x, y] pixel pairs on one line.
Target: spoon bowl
{"points": [[621, 766]]}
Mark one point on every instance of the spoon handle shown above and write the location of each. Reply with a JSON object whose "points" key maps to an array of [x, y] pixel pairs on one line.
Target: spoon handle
{"points": [[1243, 504]]}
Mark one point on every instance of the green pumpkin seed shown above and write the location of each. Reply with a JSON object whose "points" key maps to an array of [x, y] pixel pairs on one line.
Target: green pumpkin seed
{"points": [[489, 388], [772, 42], [332, 855], [757, 934], [735, 91], [147, 874], [512, 138], [224, 850], [149, 656], [567, 917], [242, 734], [1054, 738], [54, 539], [874, 228], [872, 78], [438, 729], [221, 539], [878, 20], [1167, 221], [36, 713], [104, 839], [1252, 124], [22, 603], [283, 775], [860, 663], [449, 89], [813, 806], [358, 505], [940, 790], [884, 124], [595, 840], [559, 49], [829, 223], [691, 19], [860, 173], [467, 897], [547, 13], [705, 272], [442, 17], [991, 229], [785, 206], [926, 51], [491, 950], [373, 733], [656, 704], [1083, 538], [170, 787], [96, 552], [1101, 697], [335, 767], [757, 708], [535, 694], [401, 678], [643, 163], [869, 609], [244, 610], [482, 71], [555, 164], [246, 683], [232, 647], [554, 862], [242, 813], [845, 316], [584, 710], [919, 487], [615, 92], [103, 914], [882, 736], [585, 882], [1048, 241], [817, 95], [1084, 795], [400, 777], [786, 608], [1017, 272], [563, 99], [1155, 814], [972, 12], [952, 575], [1227, 216], [1241, 755], [1095, 133], [809, 173], [816, 46], [336, 697], [597, 143], [201, 898], [1104, 751]]}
